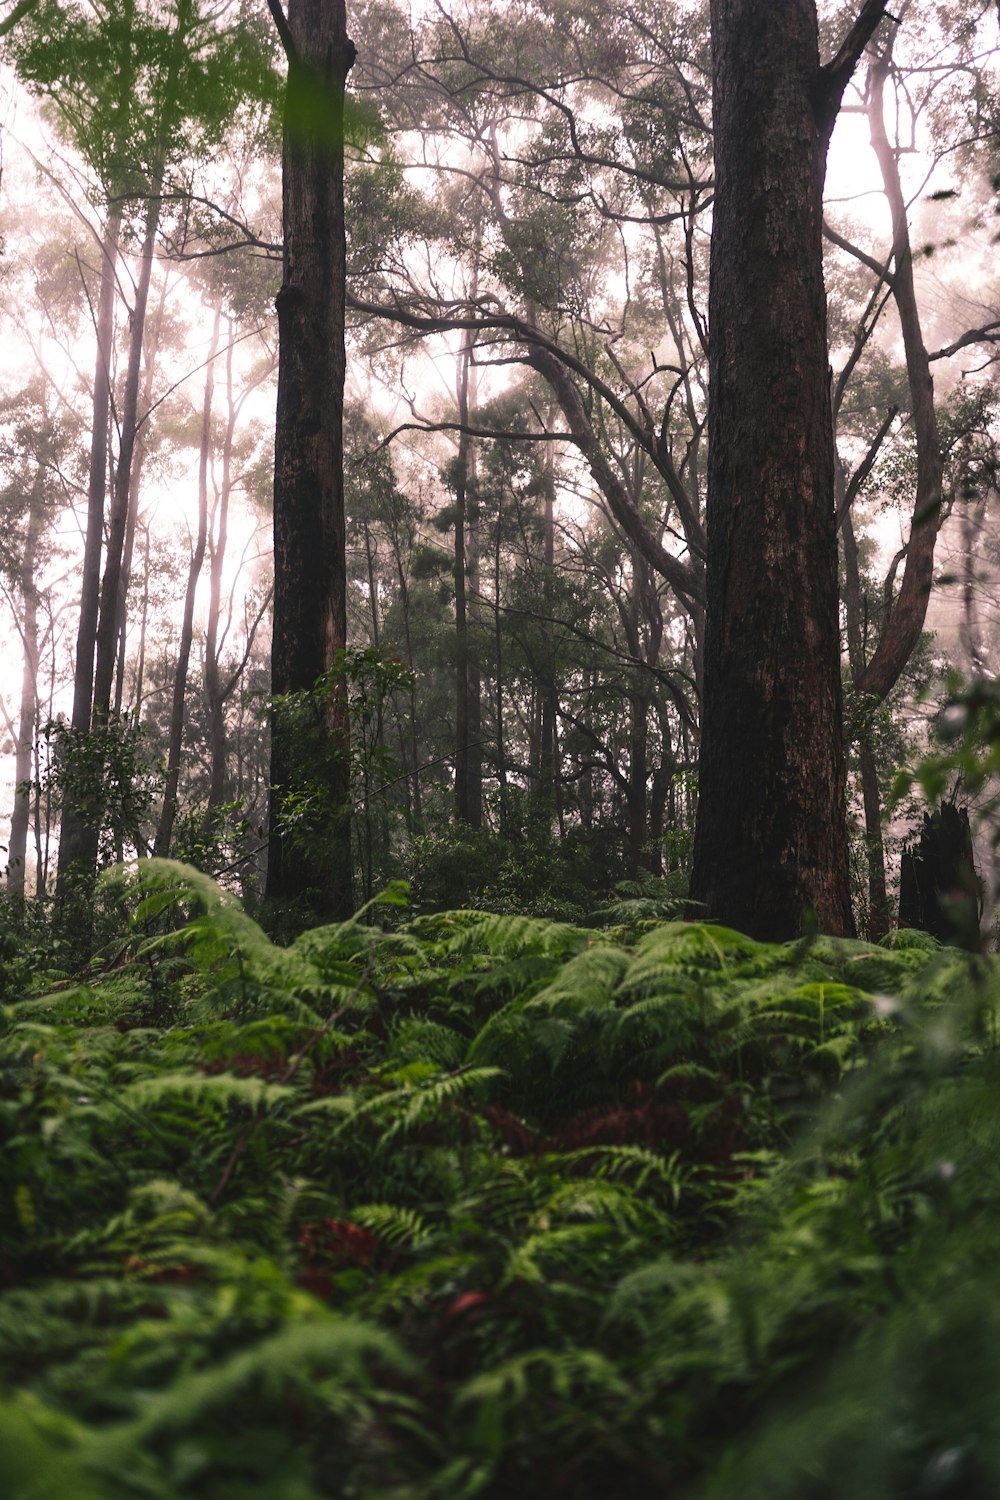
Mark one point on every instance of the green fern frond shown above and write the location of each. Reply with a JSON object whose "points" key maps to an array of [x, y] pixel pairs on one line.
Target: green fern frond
{"points": [[393, 1224], [416, 1039], [319, 1344], [533, 1259], [516, 1379], [504, 935], [217, 1088]]}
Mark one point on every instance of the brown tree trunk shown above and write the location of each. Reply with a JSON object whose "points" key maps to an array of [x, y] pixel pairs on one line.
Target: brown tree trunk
{"points": [[310, 603], [771, 852]]}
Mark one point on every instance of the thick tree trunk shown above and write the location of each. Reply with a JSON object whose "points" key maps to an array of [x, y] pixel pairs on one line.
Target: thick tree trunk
{"points": [[175, 742], [771, 852], [310, 607]]}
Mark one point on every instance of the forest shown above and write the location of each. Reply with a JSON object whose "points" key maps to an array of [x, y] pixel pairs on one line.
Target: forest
{"points": [[500, 606]]}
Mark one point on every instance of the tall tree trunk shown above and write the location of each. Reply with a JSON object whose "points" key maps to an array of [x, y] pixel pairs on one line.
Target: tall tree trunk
{"points": [[905, 620], [310, 596], [175, 742], [214, 690], [135, 482], [878, 921], [771, 852], [468, 757], [20, 818], [77, 842], [107, 629]]}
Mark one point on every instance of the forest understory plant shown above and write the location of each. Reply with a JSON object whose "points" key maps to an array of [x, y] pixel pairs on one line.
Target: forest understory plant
{"points": [[487, 1200]]}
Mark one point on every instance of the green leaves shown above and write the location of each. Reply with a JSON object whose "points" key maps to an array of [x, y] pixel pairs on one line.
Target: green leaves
{"points": [[423, 1212]]}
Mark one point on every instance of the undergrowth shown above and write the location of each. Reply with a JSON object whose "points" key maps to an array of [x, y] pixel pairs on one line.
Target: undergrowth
{"points": [[487, 1204]]}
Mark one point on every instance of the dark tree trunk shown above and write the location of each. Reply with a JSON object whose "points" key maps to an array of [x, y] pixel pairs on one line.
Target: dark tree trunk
{"points": [[771, 852], [77, 842], [310, 609]]}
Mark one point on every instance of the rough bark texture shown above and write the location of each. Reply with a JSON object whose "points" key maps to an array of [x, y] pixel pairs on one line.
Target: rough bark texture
{"points": [[310, 617], [771, 850]]}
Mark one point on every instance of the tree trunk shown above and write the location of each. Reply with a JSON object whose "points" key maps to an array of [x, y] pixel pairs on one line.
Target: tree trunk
{"points": [[905, 620], [214, 691], [168, 811], [468, 758], [771, 851], [20, 818], [107, 629], [135, 480], [77, 842], [310, 599]]}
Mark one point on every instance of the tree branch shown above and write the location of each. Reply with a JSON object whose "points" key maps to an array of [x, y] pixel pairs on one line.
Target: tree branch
{"points": [[988, 334], [283, 29], [21, 9], [866, 465], [837, 73]]}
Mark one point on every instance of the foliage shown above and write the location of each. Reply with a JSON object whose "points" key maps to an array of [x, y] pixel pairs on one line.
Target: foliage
{"points": [[108, 775], [493, 1201]]}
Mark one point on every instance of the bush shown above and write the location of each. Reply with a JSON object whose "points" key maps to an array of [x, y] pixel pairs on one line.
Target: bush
{"points": [[494, 1202]]}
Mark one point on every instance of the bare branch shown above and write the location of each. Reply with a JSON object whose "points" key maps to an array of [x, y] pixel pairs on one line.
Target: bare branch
{"points": [[838, 72], [283, 29], [866, 465]]}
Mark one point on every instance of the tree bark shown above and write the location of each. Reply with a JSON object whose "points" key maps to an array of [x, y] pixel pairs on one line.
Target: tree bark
{"points": [[310, 595], [771, 851]]}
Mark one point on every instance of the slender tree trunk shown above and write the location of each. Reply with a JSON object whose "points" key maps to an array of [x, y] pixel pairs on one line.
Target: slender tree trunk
{"points": [[107, 629], [468, 757], [771, 851], [310, 598], [905, 620], [214, 692], [20, 818], [77, 842], [548, 781], [878, 921], [135, 482], [175, 742]]}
